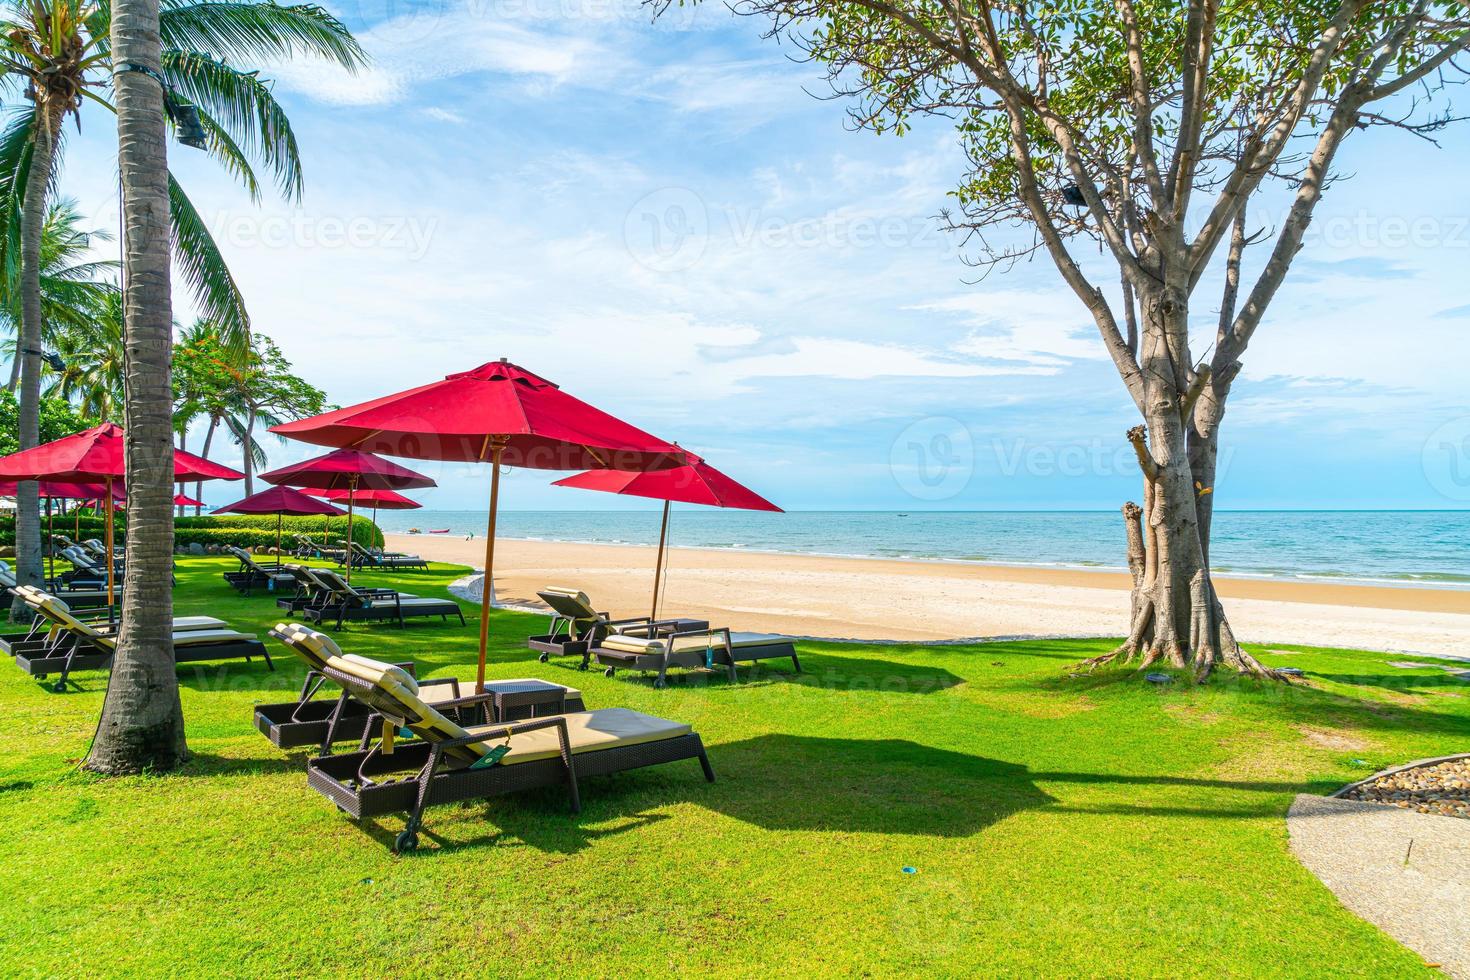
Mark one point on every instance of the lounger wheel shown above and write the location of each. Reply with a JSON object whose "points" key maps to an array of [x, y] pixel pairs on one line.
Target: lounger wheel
{"points": [[658, 682], [609, 672], [544, 657], [407, 840], [59, 686]]}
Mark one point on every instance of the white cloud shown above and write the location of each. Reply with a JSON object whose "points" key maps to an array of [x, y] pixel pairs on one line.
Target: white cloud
{"points": [[1035, 326]]}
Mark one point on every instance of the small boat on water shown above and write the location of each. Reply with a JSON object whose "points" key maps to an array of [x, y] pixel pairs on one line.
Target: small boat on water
{"points": [[441, 530], [414, 530]]}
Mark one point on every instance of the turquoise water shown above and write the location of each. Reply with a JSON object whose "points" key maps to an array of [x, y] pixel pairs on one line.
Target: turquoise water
{"points": [[1404, 547]]}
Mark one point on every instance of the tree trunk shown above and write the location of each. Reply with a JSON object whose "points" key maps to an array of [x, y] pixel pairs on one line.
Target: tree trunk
{"points": [[142, 724], [248, 445], [1176, 616], [28, 569], [204, 454]]}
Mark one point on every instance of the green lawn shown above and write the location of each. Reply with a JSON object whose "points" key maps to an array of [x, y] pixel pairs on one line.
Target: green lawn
{"points": [[1059, 825]]}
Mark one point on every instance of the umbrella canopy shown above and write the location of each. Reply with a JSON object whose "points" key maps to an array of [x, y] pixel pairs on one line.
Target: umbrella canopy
{"points": [[184, 500], [498, 413], [98, 454], [380, 499], [280, 501], [347, 470], [696, 482], [52, 490]]}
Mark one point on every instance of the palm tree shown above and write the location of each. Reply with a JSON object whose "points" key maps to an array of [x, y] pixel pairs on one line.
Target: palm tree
{"points": [[63, 52], [74, 286], [92, 353]]}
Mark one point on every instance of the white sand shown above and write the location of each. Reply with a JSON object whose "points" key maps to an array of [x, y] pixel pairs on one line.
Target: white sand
{"points": [[807, 595]]}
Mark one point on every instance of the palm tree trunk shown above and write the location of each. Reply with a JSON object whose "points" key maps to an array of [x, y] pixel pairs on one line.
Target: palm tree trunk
{"points": [[28, 569], [249, 452], [142, 724], [204, 454]]}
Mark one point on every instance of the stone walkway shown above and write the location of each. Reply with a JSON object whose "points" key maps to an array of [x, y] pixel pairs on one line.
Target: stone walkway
{"points": [[1407, 873]]}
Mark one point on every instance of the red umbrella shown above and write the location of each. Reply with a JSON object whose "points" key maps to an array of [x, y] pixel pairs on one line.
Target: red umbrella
{"points": [[497, 413], [97, 454], [380, 499], [351, 471], [49, 490], [184, 500], [280, 501], [696, 482]]}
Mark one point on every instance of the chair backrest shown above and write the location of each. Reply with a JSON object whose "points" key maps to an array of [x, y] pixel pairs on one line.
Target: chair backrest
{"points": [[312, 647], [336, 584], [570, 604], [79, 558], [391, 691], [59, 613]]}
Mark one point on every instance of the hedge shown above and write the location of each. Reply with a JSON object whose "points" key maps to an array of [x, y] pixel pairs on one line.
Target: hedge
{"points": [[242, 530]]}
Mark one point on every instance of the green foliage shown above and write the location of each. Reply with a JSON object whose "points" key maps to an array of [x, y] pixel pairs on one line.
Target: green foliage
{"points": [[241, 530], [58, 419], [1069, 827]]}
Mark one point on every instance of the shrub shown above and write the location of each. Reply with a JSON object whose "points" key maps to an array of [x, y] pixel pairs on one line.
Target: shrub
{"points": [[242, 530]]}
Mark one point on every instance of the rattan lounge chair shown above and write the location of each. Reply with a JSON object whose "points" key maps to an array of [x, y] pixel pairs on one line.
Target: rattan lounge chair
{"points": [[321, 721], [77, 598], [577, 626], [447, 763], [346, 603], [76, 645], [707, 648], [45, 626], [252, 574]]}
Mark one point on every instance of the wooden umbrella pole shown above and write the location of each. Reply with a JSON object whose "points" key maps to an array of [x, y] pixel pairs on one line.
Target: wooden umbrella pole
{"points": [[50, 545], [658, 566], [347, 545], [110, 563], [489, 583], [278, 538]]}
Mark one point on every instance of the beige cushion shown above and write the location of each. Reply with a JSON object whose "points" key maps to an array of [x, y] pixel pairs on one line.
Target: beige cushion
{"points": [[624, 643], [194, 638], [392, 698], [587, 731], [388, 676]]}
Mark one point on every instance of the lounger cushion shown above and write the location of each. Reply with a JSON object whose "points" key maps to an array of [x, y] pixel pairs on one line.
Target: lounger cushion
{"points": [[683, 644], [393, 678], [408, 602], [183, 623], [587, 731], [564, 601], [194, 638]]}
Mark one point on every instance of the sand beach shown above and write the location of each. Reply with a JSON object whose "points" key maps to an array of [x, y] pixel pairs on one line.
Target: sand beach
{"points": [[878, 599]]}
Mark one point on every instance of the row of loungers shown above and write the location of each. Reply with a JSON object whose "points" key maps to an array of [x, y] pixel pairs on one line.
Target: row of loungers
{"points": [[646, 644], [450, 758], [321, 595], [60, 643], [78, 595]]}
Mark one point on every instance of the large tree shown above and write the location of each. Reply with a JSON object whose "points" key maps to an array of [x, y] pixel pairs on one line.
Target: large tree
{"points": [[1146, 127], [61, 55]]}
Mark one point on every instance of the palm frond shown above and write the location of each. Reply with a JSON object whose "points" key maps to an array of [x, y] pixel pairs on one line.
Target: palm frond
{"points": [[198, 258], [247, 33], [243, 117]]}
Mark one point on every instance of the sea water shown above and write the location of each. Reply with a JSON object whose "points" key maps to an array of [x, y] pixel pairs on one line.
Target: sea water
{"points": [[1427, 548]]}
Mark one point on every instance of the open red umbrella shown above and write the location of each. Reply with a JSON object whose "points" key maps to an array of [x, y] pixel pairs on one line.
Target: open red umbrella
{"points": [[97, 454], [351, 471], [280, 501], [696, 482], [184, 500], [49, 490], [380, 499], [498, 413]]}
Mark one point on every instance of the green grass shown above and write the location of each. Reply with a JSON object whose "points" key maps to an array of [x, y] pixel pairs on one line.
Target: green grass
{"points": [[1059, 825]]}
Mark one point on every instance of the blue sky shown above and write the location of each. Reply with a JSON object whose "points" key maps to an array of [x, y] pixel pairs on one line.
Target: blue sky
{"points": [[663, 220]]}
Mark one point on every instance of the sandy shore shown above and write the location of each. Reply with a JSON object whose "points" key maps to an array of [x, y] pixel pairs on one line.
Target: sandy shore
{"points": [[874, 599]]}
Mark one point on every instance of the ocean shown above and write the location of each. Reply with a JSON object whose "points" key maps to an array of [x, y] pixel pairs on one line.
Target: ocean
{"points": [[1424, 548]]}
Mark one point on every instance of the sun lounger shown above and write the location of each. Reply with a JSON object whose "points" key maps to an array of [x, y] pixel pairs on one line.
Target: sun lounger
{"points": [[44, 627], [345, 603], [577, 625], [363, 557], [75, 645], [77, 598], [321, 721], [252, 574], [448, 762], [708, 648]]}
